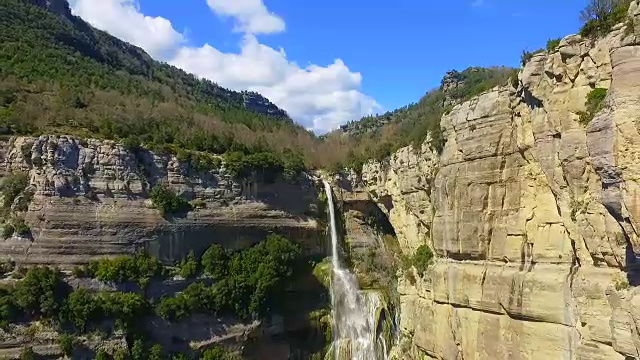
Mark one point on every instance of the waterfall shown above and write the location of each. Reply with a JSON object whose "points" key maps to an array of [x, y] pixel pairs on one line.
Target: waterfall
{"points": [[355, 312]]}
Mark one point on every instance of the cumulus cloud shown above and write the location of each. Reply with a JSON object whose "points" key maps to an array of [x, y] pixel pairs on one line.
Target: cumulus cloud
{"points": [[319, 97], [251, 16], [122, 18]]}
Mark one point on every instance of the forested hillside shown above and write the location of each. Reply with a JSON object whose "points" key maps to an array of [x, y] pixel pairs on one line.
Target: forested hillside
{"points": [[59, 75]]}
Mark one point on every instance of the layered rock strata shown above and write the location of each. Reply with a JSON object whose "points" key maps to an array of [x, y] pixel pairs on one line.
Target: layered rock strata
{"points": [[532, 215], [91, 199]]}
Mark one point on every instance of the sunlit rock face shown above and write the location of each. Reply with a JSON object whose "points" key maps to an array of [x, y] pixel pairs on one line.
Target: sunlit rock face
{"points": [[91, 199], [532, 215]]}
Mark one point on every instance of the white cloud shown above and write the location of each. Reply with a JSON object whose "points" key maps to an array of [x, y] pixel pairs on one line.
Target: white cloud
{"points": [[251, 16], [122, 18], [319, 97]]}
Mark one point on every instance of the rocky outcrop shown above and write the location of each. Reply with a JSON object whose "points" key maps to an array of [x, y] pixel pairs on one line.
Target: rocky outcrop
{"points": [[533, 216], [91, 199]]}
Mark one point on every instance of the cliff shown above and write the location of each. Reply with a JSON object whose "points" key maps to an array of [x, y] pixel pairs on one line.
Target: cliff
{"points": [[531, 212], [91, 199]]}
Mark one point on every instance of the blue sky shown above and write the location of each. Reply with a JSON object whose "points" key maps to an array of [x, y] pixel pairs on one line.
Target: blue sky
{"points": [[391, 52]]}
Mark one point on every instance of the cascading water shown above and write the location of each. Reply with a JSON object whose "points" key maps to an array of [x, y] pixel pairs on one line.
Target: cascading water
{"points": [[355, 312]]}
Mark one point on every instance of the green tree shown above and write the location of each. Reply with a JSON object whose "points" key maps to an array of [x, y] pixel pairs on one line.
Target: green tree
{"points": [[12, 185], [82, 308], [42, 292], [215, 261], [189, 266]]}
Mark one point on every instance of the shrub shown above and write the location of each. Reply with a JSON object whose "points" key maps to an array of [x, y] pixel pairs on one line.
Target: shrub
{"points": [[422, 259], [121, 354], [101, 354], [189, 266], [594, 103], [215, 353], [12, 185], [27, 353], [8, 230], [138, 350], [67, 343], [198, 204], [156, 352], [20, 226], [526, 56], [167, 201], [552, 44], [131, 143]]}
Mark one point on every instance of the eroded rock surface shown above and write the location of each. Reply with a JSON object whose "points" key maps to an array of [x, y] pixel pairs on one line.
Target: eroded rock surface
{"points": [[533, 216], [91, 199]]}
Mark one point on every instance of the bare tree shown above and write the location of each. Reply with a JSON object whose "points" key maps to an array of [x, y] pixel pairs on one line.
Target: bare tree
{"points": [[599, 9]]}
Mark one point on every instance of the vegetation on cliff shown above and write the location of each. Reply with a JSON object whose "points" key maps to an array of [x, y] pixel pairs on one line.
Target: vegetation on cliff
{"points": [[249, 284], [600, 16], [595, 102]]}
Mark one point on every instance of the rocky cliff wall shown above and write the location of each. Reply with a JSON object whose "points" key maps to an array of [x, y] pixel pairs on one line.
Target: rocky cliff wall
{"points": [[91, 199], [532, 215]]}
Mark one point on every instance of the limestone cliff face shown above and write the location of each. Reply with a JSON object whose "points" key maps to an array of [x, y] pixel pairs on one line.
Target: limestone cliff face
{"points": [[533, 217], [91, 200]]}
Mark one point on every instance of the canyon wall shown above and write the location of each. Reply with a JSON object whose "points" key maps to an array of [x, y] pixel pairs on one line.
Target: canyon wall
{"points": [[533, 215], [91, 199]]}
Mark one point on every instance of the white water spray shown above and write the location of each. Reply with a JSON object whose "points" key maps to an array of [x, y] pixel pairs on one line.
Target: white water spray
{"points": [[355, 312]]}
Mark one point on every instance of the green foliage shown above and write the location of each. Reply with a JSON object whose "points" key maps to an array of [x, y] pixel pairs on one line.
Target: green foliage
{"points": [[20, 227], [101, 354], [600, 16], [266, 166], [156, 352], [126, 308], [138, 350], [139, 268], [8, 308], [82, 308], [167, 201], [121, 354], [552, 44], [27, 353], [249, 283], [8, 230], [189, 266], [422, 259], [526, 56], [67, 343], [12, 185], [595, 102], [215, 353], [42, 292], [215, 262]]}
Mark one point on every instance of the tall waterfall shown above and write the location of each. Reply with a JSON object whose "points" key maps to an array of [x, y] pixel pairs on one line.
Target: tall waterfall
{"points": [[355, 312]]}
